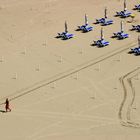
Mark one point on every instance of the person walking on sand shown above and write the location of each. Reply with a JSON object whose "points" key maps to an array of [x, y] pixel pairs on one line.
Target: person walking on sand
{"points": [[7, 108]]}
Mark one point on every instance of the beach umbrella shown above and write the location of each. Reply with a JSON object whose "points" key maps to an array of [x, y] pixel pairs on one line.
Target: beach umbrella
{"points": [[105, 12], [122, 26], [102, 35], [66, 27], [86, 19], [125, 8]]}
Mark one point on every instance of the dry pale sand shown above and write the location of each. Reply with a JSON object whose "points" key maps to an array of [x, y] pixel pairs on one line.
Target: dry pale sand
{"points": [[64, 90]]}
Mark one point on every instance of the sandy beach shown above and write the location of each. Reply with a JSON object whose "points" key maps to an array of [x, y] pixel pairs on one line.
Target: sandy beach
{"points": [[67, 89]]}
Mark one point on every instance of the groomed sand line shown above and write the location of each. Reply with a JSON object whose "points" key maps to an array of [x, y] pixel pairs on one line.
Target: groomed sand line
{"points": [[66, 74]]}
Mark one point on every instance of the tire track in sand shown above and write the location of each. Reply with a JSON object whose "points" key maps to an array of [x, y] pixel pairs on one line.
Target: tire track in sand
{"points": [[125, 112]]}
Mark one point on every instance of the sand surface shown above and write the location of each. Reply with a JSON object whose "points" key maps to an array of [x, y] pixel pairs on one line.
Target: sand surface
{"points": [[67, 90]]}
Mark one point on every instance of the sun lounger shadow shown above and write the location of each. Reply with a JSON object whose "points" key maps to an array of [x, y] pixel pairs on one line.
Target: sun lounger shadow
{"points": [[120, 39], [116, 15], [95, 23], [119, 16], [122, 17], [131, 29], [103, 25], [77, 30], [130, 52], [63, 39], [2, 111], [92, 44], [113, 36], [136, 54], [57, 37], [134, 9]]}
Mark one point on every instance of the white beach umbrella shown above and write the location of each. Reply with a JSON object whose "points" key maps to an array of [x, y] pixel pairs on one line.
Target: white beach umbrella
{"points": [[102, 34], [86, 19], [122, 29], [66, 27]]}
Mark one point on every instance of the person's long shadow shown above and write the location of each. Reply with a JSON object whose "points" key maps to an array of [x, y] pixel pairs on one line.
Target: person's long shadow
{"points": [[2, 111]]}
